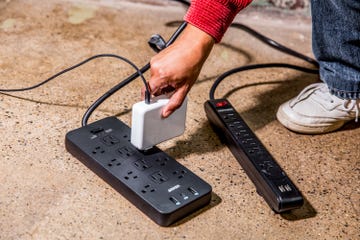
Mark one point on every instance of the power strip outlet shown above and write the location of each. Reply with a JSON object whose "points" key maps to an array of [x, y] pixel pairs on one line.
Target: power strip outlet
{"points": [[155, 183], [270, 180]]}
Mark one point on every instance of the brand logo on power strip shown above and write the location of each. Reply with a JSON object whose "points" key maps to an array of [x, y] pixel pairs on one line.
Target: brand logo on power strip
{"points": [[173, 188]]}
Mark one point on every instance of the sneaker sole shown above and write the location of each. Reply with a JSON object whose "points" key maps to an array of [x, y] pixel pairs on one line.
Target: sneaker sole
{"points": [[305, 129]]}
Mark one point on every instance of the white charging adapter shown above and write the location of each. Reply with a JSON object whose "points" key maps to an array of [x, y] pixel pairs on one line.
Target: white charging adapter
{"points": [[148, 128]]}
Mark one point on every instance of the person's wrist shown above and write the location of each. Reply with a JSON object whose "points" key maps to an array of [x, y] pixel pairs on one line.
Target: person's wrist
{"points": [[198, 39]]}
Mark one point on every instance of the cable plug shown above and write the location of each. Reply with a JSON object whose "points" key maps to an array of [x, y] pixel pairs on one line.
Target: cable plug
{"points": [[157, 43]]}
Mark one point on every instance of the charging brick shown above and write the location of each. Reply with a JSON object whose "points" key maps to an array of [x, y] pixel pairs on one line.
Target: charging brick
{"points": [[154, 182], [148, 128]]}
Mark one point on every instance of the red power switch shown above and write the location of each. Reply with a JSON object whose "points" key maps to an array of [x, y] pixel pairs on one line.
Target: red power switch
{"points": [[221, 104]]}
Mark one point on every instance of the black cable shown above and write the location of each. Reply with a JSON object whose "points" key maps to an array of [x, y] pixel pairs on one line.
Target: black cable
{"points": [[183, 2], [114, 89], [274, 44], [100, 100], [139, 72], [256, 66], [76, 66]]}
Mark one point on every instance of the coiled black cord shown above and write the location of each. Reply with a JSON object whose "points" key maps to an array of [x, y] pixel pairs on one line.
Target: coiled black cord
{"points": [[256, 66], [274, 44], [76, 66], [139, 72]]}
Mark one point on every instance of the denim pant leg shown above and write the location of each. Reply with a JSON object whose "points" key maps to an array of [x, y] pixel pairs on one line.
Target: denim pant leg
{"points": [[336, 45]]}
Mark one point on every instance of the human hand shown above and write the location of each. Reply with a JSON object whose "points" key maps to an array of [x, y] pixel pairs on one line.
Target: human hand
{"points": [[175, 69]]}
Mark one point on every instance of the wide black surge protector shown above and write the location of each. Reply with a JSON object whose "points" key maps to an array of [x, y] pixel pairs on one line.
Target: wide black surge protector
{"points": [[158, 185], [270, 180]]}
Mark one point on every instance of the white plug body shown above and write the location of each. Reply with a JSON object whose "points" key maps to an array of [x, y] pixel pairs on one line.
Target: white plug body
{"points": [[148, 128]]}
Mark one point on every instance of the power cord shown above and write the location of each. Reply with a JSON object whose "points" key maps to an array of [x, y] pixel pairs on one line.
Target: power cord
{"points": [[274, 44], [76, 66], [156, 42], [139, 72], [256, 66]]}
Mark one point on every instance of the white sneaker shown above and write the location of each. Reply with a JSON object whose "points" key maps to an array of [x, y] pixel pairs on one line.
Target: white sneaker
{"points": [[316, 111]]}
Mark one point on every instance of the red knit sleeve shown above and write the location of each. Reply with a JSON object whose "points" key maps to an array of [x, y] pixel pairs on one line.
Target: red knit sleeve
{"points": [[214, 16]]}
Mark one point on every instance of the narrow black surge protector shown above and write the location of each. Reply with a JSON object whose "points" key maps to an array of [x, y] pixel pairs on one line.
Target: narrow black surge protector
{"points": [[154, 182], [270, 180]]}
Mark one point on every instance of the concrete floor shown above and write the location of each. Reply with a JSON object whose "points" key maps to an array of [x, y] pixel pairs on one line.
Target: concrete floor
{"points": [[45, 193]]}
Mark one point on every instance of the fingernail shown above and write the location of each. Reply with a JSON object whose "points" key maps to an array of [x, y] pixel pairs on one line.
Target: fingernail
{"points": [[165, 114]]}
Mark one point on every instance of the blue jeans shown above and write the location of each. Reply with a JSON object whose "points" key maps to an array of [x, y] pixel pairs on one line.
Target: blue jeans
{"points": [[336, 45]]}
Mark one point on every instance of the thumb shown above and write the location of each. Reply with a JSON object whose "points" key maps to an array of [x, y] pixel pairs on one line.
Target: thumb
{"points": [[174, 103]]}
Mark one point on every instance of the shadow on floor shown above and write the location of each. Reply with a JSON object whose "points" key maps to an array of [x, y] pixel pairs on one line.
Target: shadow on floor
{"points": [[204, 140], [265, 111], [215, 200], [306, 211]]}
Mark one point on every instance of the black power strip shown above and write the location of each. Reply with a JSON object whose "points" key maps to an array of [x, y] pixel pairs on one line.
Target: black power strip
{"points": [[157, 184], [270, 180]]}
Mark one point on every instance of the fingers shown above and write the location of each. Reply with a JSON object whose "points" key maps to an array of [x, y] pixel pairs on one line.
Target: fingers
{"points": [[175, 69], [174, 103], [158, 82]]}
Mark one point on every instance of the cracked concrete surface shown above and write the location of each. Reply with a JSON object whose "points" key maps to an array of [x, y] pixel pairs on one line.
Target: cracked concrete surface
{"points": [[45, 193]]}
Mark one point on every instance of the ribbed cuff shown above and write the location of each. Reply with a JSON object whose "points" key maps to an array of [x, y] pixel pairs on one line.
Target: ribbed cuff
{"points": [[214, 16]]}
